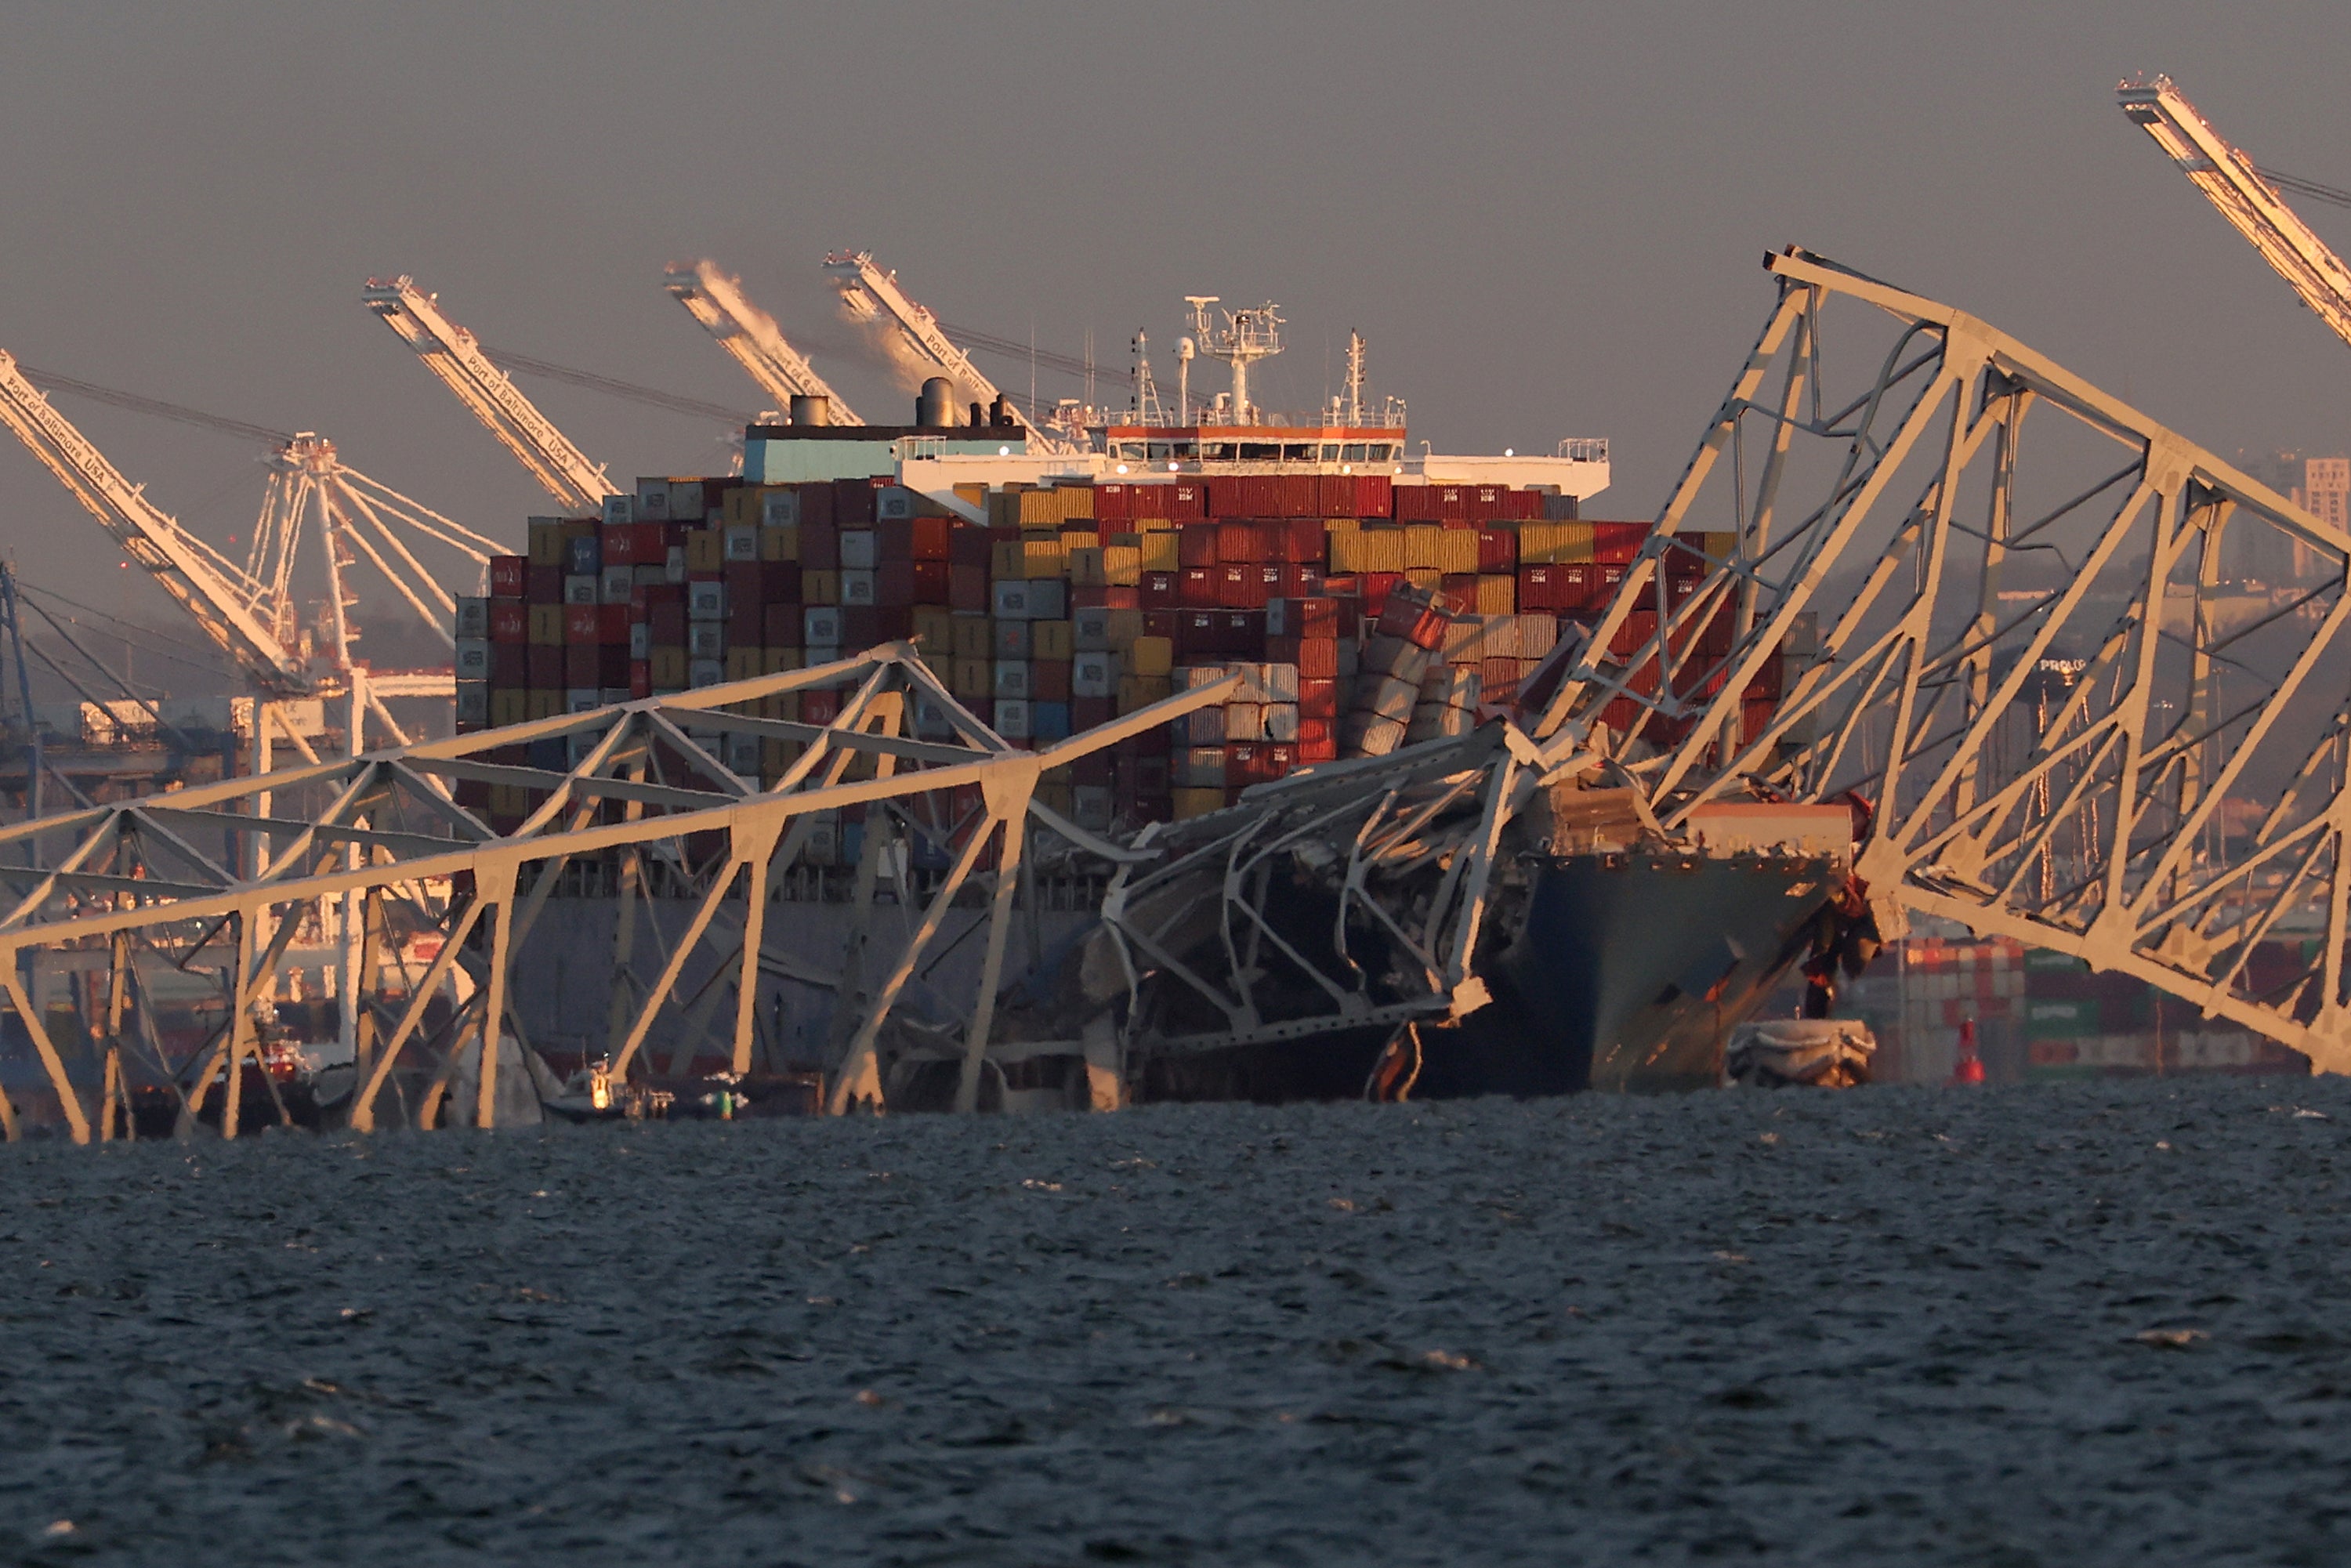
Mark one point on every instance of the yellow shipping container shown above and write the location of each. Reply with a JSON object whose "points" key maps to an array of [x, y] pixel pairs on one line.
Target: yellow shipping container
{"points": [[779, 542], [1136, 693], [744, 663], [1457, 549], [1053, 796], [972, 678], [973, 495], [1422, 548], [1041, 557], [1426, 579], [705, 549], [545, 625], [777, 757], [545, 541], [1381, 549], [1077, 501], [1497, 594], [1086, 568], [1081, 538], [972, 636], [1191, 802], [819, 587], [509, 800], [508, 704], [934, 632], [1038, 508], [1125, 626], [1159, 552], [1149, 656], [784, 706], [780, 661], [667, 669], [544, 705], [1720, 546], [1123, 565], [1051, 640], [1155, 525]]}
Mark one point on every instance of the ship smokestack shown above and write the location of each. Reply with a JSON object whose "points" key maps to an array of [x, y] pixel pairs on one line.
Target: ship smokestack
{"points": [[934, 405], [808, 410]]}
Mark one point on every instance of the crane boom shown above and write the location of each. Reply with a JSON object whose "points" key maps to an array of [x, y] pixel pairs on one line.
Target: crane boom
{"points": [[452, 353], [865, 288], [2230, 180], [751, 335], [174, 557]]}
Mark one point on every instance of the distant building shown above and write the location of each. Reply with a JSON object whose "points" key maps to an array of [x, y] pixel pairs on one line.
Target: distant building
{"points": [[2319, 485]]}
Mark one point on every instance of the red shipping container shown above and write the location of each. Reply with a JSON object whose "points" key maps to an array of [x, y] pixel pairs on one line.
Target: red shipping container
{"points": [[1769, 681], [1161, 623], [546, 667], [1297, 539], [1091, 713], [1186, 500], [612, 624], [1318, 699], [1244, 764], [1294, 496], [1161, 590], [1522, 505], [1155, 742], [893, 581], [745, 583], [1374, 497], [587, 665], [543, 584], [1196, 633], [1540, 590], [966, 587], [1238, 540], [1755, 717], [509, 575], [1416, 504], [1317, 742], [892, 623], [640, 679], [1280, 759], [893, 539], [861, 628], [1241, 633], [1617, 543], [1196, 544], [1114, 502], [1483, 501], [1118, 596], [1377, 585], [1315, 616], [1497, 550], [1094, 766], [1638, 628], [1198, 587], [853, 503], [822, 707], [932, 538], [510, 665], [1300, 581], [1049, 681], [781, 625], [509, 621], [1461, 587], [616, 544], [1227, 497], [968, 543], [820, 546], [1605, 580], [930, 580]]}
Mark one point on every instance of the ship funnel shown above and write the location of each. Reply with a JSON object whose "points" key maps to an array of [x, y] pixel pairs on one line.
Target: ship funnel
{"points": [[808, 410], [934, 405]]}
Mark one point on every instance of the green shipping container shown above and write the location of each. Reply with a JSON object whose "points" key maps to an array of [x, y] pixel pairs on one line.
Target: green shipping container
{"points": [[2060, 1018]]}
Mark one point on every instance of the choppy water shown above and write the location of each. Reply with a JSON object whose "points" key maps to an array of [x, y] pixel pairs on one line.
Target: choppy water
{"points": [[2092, 1325]]}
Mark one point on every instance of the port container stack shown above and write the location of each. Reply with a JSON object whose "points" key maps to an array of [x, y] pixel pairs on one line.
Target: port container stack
{"points": [[1360, 615]]}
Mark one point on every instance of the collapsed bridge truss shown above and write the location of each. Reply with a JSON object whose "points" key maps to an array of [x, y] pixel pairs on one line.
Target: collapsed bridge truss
{"points": [[382, 835], [2090, 677]]}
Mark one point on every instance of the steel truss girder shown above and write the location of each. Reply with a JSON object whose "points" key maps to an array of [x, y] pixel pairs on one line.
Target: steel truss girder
{"points": [[377, 827], [2100, 763]]}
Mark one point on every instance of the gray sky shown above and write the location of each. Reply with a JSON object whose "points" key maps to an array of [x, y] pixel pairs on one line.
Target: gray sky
{"points": [[1545, 218]]}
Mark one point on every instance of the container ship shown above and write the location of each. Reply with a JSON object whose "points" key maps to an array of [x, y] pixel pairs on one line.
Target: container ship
{"points": [[1370, 597]]}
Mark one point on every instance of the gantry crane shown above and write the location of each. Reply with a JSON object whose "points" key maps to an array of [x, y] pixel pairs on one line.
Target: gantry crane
{"points": [[2248, 199], [751, 335], [452, 353], [867, 292]]}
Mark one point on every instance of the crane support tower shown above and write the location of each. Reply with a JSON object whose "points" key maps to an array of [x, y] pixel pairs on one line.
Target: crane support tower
{"points": [[452, 353], [751, 335], [2232, 182], [220, 598]]}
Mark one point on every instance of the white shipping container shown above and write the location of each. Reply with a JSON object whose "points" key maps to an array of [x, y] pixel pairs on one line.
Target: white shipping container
{"points": [[474, 703], [1049, 599], [706, 639], [1008, 598], [1281, 721], [620, 510], [653, 501], [856, 585], [1093, 675], [1011, 679], [821, 626], [641, 640], [700, 673], [686, 501], [741, 542], [1201, 727], [861, 549], [1244, 721], [1200, 767], [779, 509], [614, 583], [706, 601], [473, 658], [1278, 682], [1090, 629], [581, 589], [1013, 720], [472, 620]]}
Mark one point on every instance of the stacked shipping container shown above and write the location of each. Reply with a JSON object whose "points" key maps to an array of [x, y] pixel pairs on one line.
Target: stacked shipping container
{"points": [[1360, 615]]}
